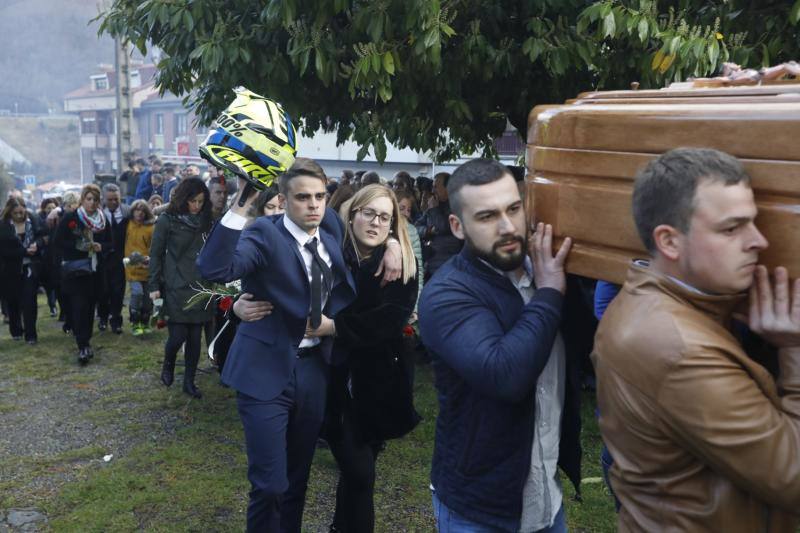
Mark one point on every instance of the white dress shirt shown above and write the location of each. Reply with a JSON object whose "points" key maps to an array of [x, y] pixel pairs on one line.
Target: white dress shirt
{"points": [[235, 221]]}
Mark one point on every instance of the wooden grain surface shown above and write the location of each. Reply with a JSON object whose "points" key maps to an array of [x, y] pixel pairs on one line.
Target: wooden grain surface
{"points": [[582, 160]]}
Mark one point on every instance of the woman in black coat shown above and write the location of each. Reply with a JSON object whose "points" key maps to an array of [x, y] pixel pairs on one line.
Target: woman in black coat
{"points": [[83, 238], [370, 396], [22, 241]]}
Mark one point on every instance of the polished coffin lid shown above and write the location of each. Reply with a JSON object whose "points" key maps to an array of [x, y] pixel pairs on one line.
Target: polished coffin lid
{"points": [[583, 156]]}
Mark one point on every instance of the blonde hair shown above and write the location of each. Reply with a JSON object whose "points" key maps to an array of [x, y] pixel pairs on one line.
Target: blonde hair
{"points": [[398, 227], [70, 198]]}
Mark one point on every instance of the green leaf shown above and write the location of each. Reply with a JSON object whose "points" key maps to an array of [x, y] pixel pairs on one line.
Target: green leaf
{"points": [[362, 152], [609, 25], [385, 93], [643, 27], [319, 65], [764, 55], [713, 53], [794, 14], [431, 38], [674, 44], [447, 30], [304, 57], [245, 53], [188, 20], [380, 149], [376, 63], [630, 24], [388, 63]]}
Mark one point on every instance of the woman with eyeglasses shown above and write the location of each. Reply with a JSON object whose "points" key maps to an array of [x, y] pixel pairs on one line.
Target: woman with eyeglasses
{"points": [[370, 396]]}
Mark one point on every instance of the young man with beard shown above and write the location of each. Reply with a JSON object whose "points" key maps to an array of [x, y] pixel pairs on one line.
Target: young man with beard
{"points": [[703, 437], [507, 386]]}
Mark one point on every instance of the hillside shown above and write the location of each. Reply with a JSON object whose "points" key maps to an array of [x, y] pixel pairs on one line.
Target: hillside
{"points": [[49, 49], [51, 144]]}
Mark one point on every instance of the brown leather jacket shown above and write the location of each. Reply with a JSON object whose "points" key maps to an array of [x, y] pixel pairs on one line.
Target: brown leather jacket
{"points": [[703, 438]]}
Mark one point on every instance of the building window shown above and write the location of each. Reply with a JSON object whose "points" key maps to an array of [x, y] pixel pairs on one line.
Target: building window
{"points": [[100, 84], [159, 124], [88, 125], [180, 124]]}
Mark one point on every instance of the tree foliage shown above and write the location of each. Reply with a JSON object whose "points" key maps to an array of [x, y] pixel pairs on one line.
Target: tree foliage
{"points": [[437, 75]]}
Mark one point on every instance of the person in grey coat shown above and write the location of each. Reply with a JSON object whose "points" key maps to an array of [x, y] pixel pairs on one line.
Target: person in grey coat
{"points": [[177, 240]]}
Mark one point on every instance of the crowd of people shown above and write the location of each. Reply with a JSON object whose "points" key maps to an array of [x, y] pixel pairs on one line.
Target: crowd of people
{"points": [[697, 405]]}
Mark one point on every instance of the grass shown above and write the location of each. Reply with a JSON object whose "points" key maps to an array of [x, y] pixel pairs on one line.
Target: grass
{"points": [[181, 464]]}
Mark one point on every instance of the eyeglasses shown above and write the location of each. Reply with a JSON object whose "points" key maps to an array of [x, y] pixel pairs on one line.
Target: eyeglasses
{"points": [[384, 219]]}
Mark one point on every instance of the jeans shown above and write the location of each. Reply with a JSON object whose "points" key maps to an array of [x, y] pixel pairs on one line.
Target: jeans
{"points": [[449, 521]]}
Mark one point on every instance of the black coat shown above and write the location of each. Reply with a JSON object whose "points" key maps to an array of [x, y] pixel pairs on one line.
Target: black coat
{"points": [[370, 332], [12, 253], [68, 235]]}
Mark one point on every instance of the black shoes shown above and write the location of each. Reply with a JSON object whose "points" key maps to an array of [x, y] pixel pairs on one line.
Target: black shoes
{"points": [[190, 389], [53, 312], [102, 325], [167, 373], [83, 356], [66, 329], [116, 330]]}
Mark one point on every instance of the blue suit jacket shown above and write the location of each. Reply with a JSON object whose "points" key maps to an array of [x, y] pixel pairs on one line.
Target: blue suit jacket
{"points": [[266, 258]]}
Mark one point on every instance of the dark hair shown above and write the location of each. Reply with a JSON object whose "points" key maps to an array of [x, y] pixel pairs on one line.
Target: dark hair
{"points": [[407, 194], [517, 171], [342, 194], [445, 176], [141, 162], [370, 178], [664, 190], [168, 169], [12, 203], [302, 166], [185, 191], [347, 175], [405, 177], [263, 198], [473, 173], [47, 201], [424, 184]]}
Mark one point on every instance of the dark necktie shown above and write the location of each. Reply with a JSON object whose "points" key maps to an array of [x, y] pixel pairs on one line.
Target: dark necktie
{"points": [[319, 272]]}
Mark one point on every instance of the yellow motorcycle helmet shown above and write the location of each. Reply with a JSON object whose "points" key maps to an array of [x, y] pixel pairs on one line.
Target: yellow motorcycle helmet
{"points": [[254, 138]]}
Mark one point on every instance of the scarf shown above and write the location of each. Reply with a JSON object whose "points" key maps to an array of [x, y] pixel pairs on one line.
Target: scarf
{"points": [[96, 222], [27, 239], [192, 221]]}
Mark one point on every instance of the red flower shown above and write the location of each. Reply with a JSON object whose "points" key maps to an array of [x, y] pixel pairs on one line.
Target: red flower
{"points": [[225, 304], [408, 331], [72, 224], [161, 324]]}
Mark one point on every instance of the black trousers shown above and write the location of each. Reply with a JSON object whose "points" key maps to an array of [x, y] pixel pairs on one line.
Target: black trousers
{"points": [[355, 509], [22, 312], [82, 295], [179, 333], [109, 303]]}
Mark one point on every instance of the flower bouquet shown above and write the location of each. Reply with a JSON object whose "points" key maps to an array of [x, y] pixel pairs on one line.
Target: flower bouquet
{"points": [[222, 294]]}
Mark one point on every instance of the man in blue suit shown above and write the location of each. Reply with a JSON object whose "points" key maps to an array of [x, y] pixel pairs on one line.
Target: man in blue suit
{"points": [[278, 363]]}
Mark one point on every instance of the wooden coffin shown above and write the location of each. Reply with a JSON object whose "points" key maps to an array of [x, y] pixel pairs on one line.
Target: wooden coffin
{"points": [[583, 156]]}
